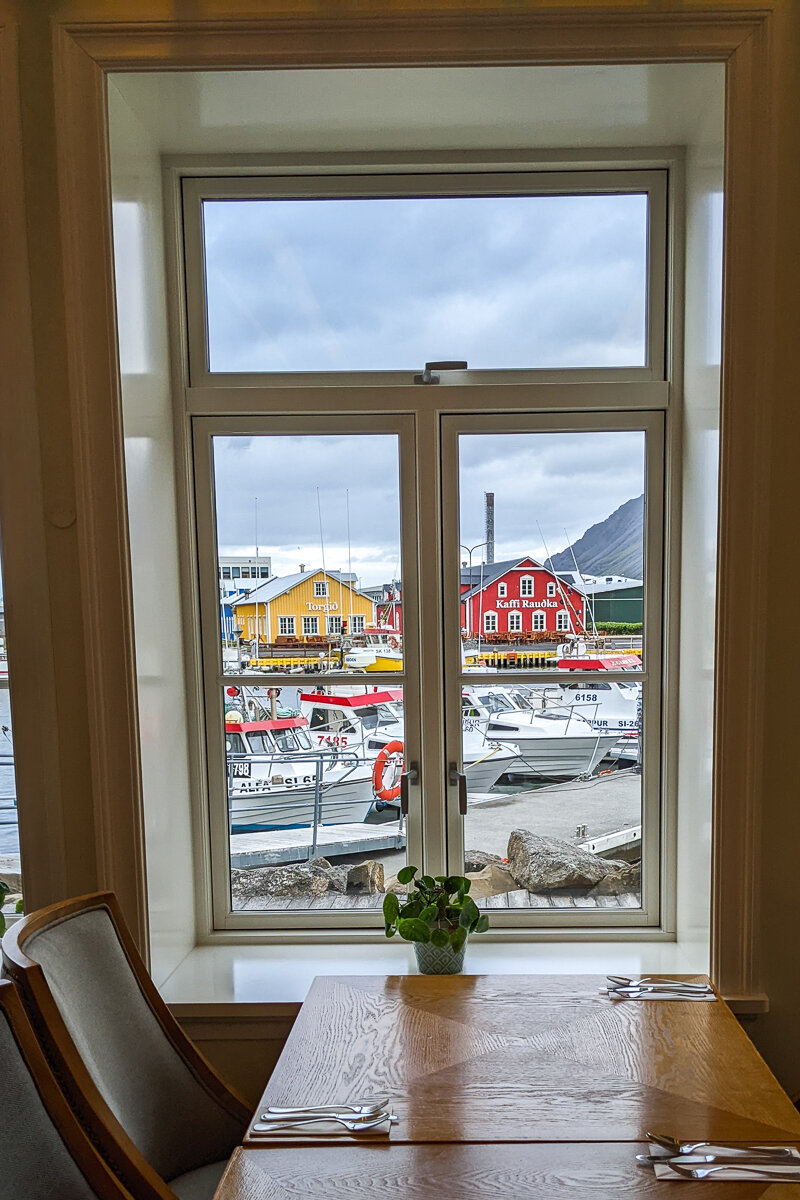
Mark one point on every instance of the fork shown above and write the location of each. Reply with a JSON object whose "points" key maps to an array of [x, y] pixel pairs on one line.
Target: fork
{"points": [[676, 1147], [352, 1124], [765, 1172], [365, 1108], [651, 980]]}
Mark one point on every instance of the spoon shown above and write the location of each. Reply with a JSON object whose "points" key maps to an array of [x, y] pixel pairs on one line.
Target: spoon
{"points": [[676, 1147]]}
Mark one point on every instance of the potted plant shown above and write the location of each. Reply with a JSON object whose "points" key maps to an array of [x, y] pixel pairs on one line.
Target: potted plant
{"points": [[438, 917]]}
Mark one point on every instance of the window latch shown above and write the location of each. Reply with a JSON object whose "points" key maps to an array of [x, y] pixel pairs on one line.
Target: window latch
{"points": [[427, 375]]}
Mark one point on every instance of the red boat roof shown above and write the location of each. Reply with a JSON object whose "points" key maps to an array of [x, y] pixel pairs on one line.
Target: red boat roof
{"points": [[387, 696], [615, 662], [268, 726]]}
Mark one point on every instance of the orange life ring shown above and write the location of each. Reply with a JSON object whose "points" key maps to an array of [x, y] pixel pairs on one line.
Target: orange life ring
{"points": [[393, 642], [384, 793]]}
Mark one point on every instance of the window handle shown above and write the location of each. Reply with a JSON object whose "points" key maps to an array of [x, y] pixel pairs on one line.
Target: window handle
{"points": [[458, 777], [409, 777]]}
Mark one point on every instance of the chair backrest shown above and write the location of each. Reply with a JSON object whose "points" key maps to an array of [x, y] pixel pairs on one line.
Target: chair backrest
{"points": [[155, 1106], [45, 1152]]}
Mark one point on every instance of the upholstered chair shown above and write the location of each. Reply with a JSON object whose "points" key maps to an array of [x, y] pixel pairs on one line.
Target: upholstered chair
{"points": [[157, 1111], [45, 1152]]}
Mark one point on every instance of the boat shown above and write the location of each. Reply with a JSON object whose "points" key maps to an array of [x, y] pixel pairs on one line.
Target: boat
{"points": [[583, 653], [369, 720], [276, 780], [378, 649], [551, 743], [608, 705]]}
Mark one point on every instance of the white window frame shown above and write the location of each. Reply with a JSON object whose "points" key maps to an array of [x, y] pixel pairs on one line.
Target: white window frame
{"points": [[320, 589], [489, 617], [333, 624], [561, 395], [286, 626], [515, 616], [562, 621], [502, 591], [358, 622], [310, 626], [527, 586], [551, 589], [538, 621]]}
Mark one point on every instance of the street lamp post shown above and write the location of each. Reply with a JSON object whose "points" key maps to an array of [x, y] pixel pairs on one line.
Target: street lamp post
{"points": [[469, 550]]}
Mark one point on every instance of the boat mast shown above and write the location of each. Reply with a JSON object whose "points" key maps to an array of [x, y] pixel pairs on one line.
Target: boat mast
{"points": [[589, 603], [324, 573], [567, 604], [349, 570], [258, 578]]}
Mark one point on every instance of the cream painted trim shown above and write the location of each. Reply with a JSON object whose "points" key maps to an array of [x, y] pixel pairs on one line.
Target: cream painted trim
{"points": [[405, 182], [656, 802], [739, 36]]}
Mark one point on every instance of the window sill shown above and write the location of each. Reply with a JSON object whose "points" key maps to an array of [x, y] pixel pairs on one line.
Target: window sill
{"points": [[280, 975]]}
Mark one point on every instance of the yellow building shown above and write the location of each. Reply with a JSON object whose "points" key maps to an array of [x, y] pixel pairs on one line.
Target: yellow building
{"points": [[310, 604]]}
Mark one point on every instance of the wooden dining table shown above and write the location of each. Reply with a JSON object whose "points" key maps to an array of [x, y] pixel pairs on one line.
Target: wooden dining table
{"points": [[509, 1086]]}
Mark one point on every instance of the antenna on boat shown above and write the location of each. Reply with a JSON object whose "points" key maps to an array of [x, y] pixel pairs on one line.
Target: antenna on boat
{"points": [[579, 573]]}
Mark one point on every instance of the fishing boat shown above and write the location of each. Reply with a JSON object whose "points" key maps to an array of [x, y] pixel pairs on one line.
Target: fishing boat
{"points": [[276, 779], [550, 743], [378, 649], [608, 705]]}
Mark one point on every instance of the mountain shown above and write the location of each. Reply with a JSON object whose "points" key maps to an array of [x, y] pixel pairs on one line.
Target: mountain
{"points": [[611, 547]]}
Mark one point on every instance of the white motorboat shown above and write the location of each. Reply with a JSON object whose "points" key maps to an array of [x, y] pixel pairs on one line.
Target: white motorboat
{"points": [[553, 743], [368, 720], [377, 649], [607, 705], [276, 780]]}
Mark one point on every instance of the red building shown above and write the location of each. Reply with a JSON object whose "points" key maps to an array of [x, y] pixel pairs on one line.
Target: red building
{"points": [[519, 597]]}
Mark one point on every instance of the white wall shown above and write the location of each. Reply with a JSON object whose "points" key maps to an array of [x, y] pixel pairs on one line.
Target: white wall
{"points": [[700, 436], [148, 426], [411, 109]]}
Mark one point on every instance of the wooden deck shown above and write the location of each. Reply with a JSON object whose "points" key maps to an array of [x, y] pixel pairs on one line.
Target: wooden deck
{"points": [[564, 898]]}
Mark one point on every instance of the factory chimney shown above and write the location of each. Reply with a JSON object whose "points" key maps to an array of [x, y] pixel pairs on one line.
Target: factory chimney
{"points": [[489, 497]]}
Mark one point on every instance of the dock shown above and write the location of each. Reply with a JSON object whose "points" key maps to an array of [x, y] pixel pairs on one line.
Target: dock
{"points": [[275, 847]]}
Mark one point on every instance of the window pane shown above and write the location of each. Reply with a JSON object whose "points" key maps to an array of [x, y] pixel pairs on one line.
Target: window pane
{"points": [[10, 870], [559, 762], [313, 773], [388, 284], [561, 586], [331, 534]]}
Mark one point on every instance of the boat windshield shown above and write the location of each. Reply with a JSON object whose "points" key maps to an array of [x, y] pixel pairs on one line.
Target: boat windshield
{"points": [[494, 702], [234, 743], [375, 715], [261, 742]]}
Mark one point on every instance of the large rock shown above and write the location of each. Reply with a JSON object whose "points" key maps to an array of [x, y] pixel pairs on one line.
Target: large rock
{"points": [[540, 863], [366, 876], [491, 881], [476, 860], [626, 880], [313, 878], [393, 884]]}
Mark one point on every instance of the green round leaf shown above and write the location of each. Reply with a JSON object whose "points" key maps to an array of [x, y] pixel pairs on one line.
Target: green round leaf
{"points": [[469, 913], [454, 883], [413, 930], [429, 914], [391, 908], [482, 925], [427, 881], [457, 938], [406, 874], [439, 937]]}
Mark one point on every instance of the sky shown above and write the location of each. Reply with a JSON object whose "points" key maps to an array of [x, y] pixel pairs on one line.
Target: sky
{"points": [[389, 284], [560, 483], [344, 285]]}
